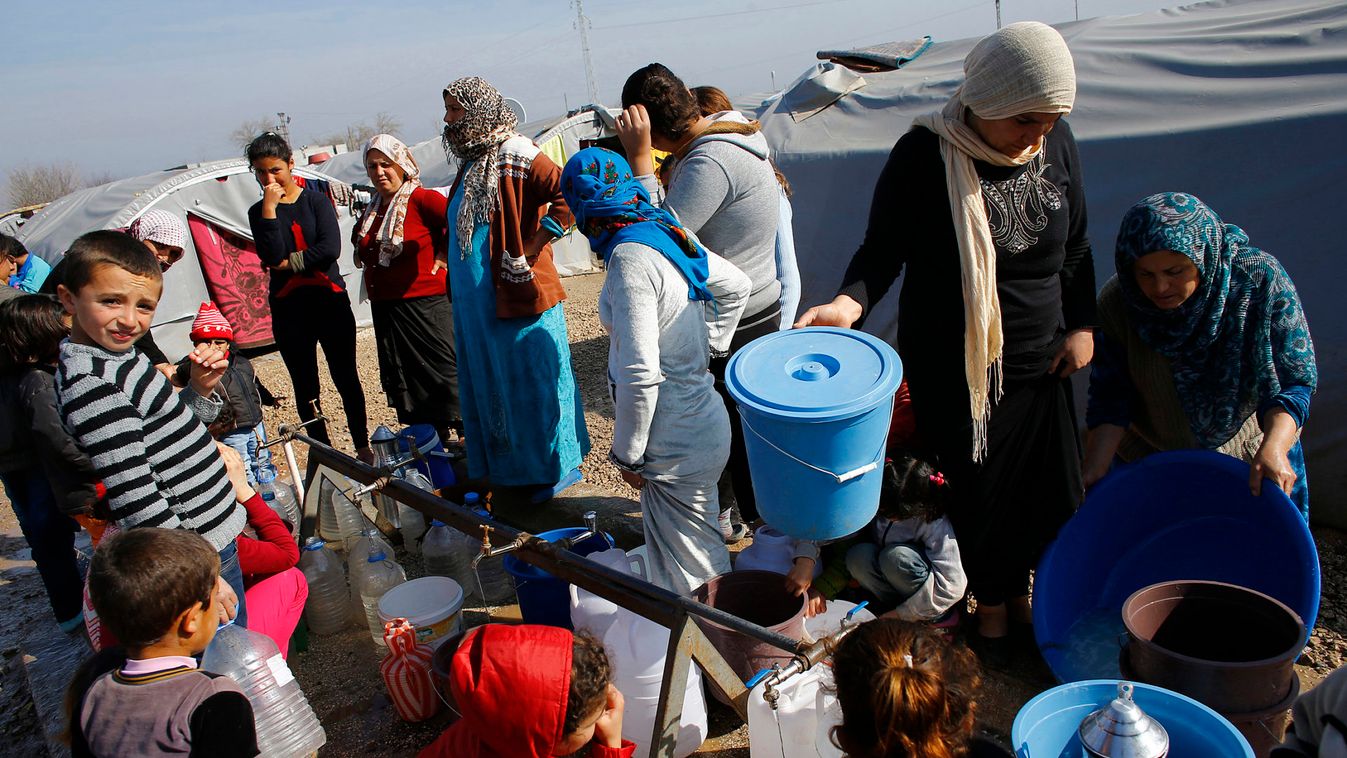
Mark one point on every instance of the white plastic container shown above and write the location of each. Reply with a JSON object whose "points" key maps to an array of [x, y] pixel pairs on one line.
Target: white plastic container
{"points": [[357, 555], [329, 599], [444, 552], [432, 604], [593, 613], [285, 722], [413, 522], [771, 551], [801, 725], [636, 648], [380, 575]]}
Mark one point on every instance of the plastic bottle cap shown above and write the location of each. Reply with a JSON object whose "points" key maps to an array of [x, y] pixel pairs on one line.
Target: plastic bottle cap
{"points": [[470, 498], [436, 522], [484, 513], [314, 543], [377, 558]]}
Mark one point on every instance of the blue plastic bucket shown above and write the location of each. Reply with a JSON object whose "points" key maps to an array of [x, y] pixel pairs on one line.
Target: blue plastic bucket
{"points": [[1182, 515], [543, 598], [1046, 727], [433, 463], [815, 405]]}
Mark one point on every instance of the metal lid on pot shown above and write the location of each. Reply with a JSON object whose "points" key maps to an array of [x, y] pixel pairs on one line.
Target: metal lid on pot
{"points": [[1122, 730]]}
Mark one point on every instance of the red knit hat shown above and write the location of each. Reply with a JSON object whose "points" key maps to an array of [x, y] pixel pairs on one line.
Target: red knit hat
{"points": [[210, 324]]}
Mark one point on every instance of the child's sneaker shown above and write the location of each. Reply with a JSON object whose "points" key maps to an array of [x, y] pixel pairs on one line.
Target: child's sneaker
{"points": [[730, 531]]}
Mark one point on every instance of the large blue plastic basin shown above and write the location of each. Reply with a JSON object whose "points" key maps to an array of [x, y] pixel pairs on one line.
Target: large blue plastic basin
{"points": [[1046, 727], [543, 598], [1171, 516]]}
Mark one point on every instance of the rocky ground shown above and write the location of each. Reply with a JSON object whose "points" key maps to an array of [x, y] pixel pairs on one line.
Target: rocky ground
{"points": [[340, 672]]}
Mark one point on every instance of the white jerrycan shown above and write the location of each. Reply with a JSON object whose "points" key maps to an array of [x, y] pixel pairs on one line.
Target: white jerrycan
{"points": [[593, 613], [801, 724]]}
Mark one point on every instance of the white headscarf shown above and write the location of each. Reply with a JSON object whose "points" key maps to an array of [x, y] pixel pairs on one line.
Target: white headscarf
{"points": [[390, 230], [1022, 68]]}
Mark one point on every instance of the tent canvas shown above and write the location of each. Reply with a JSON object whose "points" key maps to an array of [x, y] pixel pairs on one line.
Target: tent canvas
{"points": [[1243, 103], [217, 193]]}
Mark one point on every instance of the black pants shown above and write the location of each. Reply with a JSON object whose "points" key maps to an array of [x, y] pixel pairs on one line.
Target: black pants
{"points": [[300, 322], [736, 483], [418, 367]]}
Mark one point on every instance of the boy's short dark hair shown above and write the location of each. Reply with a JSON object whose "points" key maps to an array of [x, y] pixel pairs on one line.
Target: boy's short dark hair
{"points": [[31, 329], [141, 580], [107, 247], [590, 676], [670, 104], [11, 247]]}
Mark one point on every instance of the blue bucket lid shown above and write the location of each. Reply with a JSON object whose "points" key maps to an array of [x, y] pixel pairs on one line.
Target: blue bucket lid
{"points": [[817, 373]]}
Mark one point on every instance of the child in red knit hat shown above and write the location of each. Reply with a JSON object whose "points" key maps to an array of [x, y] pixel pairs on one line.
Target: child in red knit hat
{"points": [[239, 424]]}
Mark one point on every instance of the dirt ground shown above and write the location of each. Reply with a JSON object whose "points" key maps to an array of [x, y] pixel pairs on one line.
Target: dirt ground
{"points": [[339, 673]]}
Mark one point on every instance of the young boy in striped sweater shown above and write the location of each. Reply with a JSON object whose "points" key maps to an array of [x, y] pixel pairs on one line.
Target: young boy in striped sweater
{"points": [[147, 442]]}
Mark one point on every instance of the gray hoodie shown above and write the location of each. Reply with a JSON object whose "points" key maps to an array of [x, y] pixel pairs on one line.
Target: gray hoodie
{"points": [[725, 192]]}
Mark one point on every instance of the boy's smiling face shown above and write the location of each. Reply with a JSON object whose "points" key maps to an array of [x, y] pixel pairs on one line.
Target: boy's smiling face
{"points": [[113, 309]]}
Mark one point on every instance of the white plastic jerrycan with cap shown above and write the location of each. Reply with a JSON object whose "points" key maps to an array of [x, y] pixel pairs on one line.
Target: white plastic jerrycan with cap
{"points": [[800, 726], [637, 647], [593, 613], [770, 551]]}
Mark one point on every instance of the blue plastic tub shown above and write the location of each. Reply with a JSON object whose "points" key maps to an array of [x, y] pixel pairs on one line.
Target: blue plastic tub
{"points": [[543, 598], [1046, 726], [815, 405], [1171, 516], [433, 463]]}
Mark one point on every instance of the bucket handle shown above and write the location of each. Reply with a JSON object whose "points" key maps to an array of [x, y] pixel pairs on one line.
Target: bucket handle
{"points": [[841, 478]]}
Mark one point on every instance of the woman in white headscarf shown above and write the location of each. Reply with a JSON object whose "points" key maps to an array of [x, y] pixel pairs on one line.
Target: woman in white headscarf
{"points": [[982, 203], [400, 242]]}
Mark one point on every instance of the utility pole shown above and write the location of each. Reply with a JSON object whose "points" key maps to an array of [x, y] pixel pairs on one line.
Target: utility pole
{"points": [[582, 23], [998, 14], [1077, 2], [283, 126]]}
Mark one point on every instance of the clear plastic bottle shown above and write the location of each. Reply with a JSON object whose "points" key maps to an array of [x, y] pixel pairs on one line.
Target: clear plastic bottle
{"points": [[381, 574], [413, 521], [285, 495], [490, 583], [357, 554], [350, 520], [279, 497], [329, 599], [285, 722], [328, 526]]}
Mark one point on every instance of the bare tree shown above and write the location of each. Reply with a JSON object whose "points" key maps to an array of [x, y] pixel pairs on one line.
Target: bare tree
{"points": [[356, 134], [31, 185], [246, 131], [99, 178]]}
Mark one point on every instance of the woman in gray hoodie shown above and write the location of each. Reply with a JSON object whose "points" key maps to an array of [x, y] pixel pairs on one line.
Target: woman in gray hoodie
{"points": [[719, 183]]}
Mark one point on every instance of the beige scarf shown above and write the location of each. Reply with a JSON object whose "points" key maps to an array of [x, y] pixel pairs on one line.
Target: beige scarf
{"points": [[390, 234], [1022, 68]]}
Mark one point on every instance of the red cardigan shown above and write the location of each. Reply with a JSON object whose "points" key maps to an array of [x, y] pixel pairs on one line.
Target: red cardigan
{"points": [[423, 234], [273, 551]]}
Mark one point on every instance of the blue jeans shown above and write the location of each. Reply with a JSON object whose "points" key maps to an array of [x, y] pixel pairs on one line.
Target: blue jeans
{"points": [[893, 573], [245, 441], [51, 537], [233, 575]]}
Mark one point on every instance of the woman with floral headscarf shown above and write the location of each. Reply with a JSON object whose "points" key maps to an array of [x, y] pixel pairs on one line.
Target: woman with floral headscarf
{"points": [[1202, 344], [521, 410], [668, 305], [400, 243], [982, 204]]}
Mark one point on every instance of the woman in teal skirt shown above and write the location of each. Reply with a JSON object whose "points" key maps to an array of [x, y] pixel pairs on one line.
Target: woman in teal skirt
{"points": [[522, 415]]}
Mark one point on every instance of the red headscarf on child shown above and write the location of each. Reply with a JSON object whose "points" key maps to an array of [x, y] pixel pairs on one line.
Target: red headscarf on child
{"points": [[511, 684]]}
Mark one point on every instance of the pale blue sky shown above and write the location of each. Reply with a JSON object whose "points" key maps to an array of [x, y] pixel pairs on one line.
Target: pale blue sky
{"points": [[134, 86]]}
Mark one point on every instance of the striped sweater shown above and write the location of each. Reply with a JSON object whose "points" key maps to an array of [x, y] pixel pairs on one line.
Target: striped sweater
{"points": [[153, 453]]}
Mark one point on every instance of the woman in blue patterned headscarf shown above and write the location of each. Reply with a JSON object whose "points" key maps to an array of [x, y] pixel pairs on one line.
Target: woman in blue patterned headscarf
{"points": [[668, 304], [1203, 344]]}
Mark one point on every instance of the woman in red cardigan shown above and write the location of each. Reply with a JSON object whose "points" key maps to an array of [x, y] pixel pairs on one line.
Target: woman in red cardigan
{"points": [[400, 243]]}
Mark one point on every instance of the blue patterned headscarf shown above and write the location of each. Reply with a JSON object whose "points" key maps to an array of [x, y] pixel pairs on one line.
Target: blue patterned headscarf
{"points": [[611, 207], [1240, 339]]}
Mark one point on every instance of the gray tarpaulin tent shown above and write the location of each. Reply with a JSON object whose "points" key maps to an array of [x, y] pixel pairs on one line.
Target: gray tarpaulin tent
{"points": [[1243, 103], [219, 193], [559, 137]]}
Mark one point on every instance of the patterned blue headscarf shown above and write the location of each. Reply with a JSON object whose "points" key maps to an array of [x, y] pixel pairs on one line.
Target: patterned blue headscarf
{"points": [[611, 207], [1240, 338]]}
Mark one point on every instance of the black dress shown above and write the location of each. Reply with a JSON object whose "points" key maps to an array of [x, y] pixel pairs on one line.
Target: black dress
{"points": [[1009, 506]]}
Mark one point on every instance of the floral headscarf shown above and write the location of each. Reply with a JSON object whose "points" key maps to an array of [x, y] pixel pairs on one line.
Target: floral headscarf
{"points": [[475, 140], [1240, 338], [611, 207], [390, 230]]}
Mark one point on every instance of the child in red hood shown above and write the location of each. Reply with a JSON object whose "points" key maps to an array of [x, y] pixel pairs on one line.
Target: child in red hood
{"points": [[530, 692]]}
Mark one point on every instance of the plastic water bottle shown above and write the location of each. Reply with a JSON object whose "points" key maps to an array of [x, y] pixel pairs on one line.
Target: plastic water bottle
{"points": [[381, 574], [413, 521], [328, 526], [285, 722], [490, 582], [326, 608], [285, 495], [280, 498], [350, 521], [442, 552], [357, 554]]}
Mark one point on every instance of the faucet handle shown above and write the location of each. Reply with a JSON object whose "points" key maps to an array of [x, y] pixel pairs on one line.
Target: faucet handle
{"points": [[486, 538], [592, 521]]}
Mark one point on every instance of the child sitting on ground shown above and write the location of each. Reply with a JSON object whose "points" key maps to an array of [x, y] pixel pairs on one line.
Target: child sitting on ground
{"points": [[240, 419], [907, 693], [153, 454], [156, 590], [913, 565], [530, 692]]}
